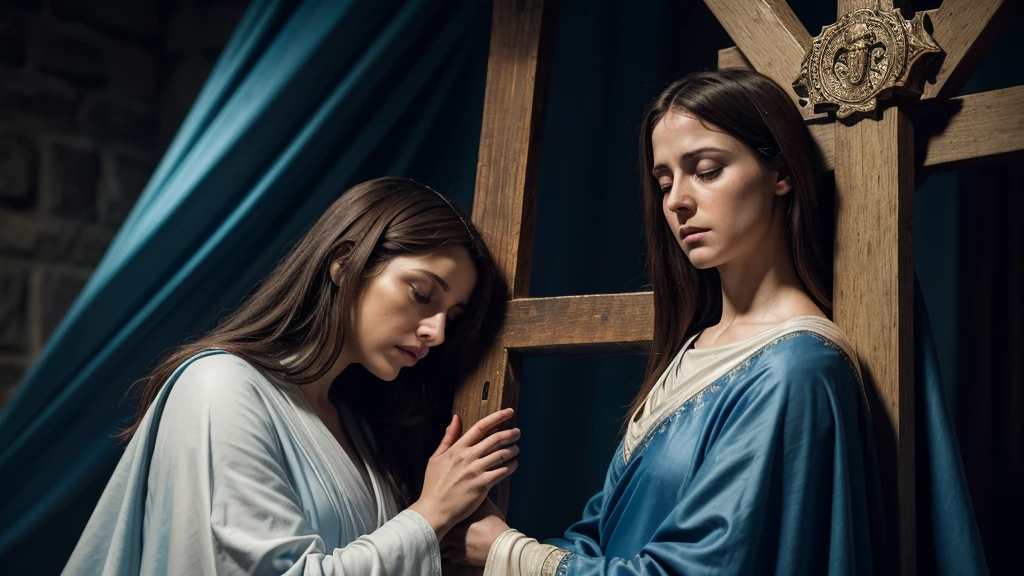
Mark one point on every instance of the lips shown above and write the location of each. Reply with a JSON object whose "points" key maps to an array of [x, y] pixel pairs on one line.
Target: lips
{"points": [[414, 354], [691, 233]]}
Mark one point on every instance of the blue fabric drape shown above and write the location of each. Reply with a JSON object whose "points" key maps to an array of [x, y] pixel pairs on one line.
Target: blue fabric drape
{"points": [[947, 533], [306, 99]]}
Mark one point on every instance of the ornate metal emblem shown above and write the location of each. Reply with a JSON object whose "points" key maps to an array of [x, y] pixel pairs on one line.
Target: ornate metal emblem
{"points": [[861, 59]]}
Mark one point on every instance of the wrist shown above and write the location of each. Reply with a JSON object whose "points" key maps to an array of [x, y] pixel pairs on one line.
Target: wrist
{"points": [[441, 523], [495, 528]]}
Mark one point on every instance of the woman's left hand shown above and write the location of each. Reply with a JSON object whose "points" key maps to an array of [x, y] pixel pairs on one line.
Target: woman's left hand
{"points": [[470, 541]]}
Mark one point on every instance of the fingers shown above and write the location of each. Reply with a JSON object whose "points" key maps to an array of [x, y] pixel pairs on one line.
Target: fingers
{"points": [[498, 457], [451, 435], [492, 477], [495, 441], [479, 430]]}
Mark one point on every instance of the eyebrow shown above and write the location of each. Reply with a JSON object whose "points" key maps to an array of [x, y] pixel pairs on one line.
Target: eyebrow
{"points": [[444, 285], [689, 155]]}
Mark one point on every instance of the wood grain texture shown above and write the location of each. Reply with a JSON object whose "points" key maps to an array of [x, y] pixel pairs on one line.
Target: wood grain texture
{"points": [[965, 30], [732, 58], [824, 136], [581, 324], [873, 293], [504, 205], [978, 126], [770, 36]]}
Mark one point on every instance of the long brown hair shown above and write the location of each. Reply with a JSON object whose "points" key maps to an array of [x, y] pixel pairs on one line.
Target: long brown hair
{"points": [[298, 311], [756, 111]]}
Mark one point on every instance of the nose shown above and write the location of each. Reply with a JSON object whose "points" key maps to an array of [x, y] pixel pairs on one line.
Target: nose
{"points": [[679, 200], [431, 330]]}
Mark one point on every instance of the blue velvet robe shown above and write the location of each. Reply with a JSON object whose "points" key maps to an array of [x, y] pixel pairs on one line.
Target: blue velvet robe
{"points": [[769, 469]]}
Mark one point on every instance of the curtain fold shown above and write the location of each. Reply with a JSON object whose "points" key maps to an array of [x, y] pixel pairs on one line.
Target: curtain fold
{"points": [[307, 99]]}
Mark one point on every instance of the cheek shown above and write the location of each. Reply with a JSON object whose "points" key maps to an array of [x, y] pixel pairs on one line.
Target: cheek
{"points": [[744, 206]]}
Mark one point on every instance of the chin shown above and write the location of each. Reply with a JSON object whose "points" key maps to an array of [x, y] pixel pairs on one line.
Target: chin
{"points": [[698, 260], [386, 372]]}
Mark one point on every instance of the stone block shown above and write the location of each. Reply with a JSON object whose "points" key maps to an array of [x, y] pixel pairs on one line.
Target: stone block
{"points": [[58, 291], [33, 5], [13, 43], [19, 165], [10, 379], [123, 182], [134, 70], [13, 306], [79, 60], [53, 239], [38, 105], [72, 181], [138, 20], [113, 121]]}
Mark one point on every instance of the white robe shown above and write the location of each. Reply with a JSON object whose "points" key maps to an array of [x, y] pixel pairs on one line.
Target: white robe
{"points": [[230, 473]]}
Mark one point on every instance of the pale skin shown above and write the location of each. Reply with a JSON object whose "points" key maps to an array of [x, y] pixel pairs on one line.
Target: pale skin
{"points": [[726, 208], [399, 315]]}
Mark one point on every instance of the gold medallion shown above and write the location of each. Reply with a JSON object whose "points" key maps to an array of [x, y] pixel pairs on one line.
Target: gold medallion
{"points": [[861, 59]]}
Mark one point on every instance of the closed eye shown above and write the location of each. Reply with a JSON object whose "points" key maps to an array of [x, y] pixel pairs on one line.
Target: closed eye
{"points": [[709, 175], [419, 296]]}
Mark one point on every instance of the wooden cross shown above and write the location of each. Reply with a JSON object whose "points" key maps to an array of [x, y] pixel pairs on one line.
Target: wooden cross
{"points": [[874, 162]]}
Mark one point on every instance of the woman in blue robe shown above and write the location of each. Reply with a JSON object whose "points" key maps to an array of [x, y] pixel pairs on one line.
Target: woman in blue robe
{"points": [[749, 448], [289, 439]]}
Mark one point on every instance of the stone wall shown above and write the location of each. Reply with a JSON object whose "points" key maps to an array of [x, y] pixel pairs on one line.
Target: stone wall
{"points": [[91, 93]]}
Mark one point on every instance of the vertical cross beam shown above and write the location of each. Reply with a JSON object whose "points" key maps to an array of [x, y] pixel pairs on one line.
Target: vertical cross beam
{"points": [[508, 168], [873, 287]]}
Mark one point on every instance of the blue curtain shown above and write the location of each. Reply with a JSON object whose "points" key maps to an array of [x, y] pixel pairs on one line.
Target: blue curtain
{"points": [[307, 99]]}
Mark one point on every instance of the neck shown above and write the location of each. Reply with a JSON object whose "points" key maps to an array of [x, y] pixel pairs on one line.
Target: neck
{"points": [[754, 289], [317, 391]]}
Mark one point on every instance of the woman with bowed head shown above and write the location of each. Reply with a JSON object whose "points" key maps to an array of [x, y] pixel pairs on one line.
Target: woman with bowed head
{"points": [[749, 448], [299, 435]]}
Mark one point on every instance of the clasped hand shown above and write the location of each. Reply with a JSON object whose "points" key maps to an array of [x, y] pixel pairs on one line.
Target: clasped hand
{"points": [[462, 470]]}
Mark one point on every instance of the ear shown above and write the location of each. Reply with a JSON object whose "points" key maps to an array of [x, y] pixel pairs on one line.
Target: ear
{"points": [[783, 185], [340, 258], [783, 182]]}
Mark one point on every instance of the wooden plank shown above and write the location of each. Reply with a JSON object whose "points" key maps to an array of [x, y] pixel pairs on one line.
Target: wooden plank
{"points": [[953, 133], [873, 293], [824, 135], [606, 323], [504, 205], [979, 126], [770, 36], [965, 30], [733, 59]]}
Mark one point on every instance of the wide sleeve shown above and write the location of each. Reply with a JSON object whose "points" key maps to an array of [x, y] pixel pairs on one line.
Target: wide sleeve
{"points": [[221, 499], [780, 489]]}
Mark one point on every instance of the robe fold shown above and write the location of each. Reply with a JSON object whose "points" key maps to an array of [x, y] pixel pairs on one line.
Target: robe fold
{"points": [[754, 457], [231, 473]]}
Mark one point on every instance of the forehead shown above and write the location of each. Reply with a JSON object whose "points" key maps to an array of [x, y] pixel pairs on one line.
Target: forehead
{"points": [[680, 131], [451, 263]]}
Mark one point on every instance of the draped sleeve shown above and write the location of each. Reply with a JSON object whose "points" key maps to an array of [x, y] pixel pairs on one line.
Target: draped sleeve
{"points": [[220, 497]]}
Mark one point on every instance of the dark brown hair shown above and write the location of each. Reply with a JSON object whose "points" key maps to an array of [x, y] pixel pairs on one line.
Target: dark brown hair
{"points": [[299, 311], [756, 111]]}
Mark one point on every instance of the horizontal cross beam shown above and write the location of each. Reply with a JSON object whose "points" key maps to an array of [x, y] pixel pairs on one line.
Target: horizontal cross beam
{"points": [[604, 323]]}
